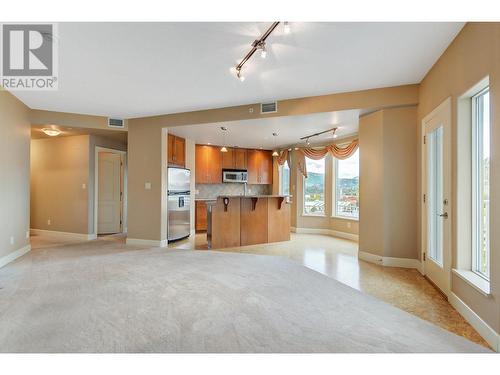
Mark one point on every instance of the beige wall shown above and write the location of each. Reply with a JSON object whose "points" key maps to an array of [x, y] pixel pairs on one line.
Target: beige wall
{"points": [[147, 208], [371, 193], [388, 196], [14, 174], [474, 54], [59, 168]]}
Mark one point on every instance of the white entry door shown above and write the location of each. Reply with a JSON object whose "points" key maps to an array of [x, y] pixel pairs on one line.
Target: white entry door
{"points": [[109, 193], [436, 215]]}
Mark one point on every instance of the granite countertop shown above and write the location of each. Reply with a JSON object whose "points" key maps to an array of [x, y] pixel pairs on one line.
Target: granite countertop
{"points": [[255, 196], [205, 199]]}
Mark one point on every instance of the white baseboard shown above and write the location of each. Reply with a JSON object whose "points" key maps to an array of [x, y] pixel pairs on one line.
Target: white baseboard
{"points": [[150, 243], [14, 255], [390, 261], [68, 235], [327, 232], [486, 332]]}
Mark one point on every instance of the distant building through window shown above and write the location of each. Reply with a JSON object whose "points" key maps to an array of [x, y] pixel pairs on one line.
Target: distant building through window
{"points": [[346, 187], [314, 187]]}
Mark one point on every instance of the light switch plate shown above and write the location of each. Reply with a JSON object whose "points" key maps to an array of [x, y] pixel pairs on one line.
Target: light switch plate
{"points": [[12, 240], [147, 186], [84, 186]]}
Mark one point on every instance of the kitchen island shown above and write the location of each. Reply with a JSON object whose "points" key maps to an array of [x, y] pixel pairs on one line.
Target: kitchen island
{"points": [[240, 220]]}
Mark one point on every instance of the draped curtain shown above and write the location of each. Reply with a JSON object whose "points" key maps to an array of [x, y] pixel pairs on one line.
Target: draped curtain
{"points": [[317, 154]]}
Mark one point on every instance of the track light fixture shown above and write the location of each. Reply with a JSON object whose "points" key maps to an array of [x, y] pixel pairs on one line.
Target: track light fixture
{"points": [[259, 44], [306, 138]]}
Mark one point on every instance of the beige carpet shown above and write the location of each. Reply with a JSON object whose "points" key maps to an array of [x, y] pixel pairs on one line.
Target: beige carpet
{"points": [[98, 299]]}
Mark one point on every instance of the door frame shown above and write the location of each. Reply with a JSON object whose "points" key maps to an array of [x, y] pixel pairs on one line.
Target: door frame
{"points": [[123, 155], [446, 109]]}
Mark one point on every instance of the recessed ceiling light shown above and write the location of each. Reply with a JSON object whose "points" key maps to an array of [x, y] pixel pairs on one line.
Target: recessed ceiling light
{"points": [[51, 132]]}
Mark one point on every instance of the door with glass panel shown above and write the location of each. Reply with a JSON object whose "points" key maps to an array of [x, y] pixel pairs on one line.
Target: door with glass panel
{"points": [[436, 227]]}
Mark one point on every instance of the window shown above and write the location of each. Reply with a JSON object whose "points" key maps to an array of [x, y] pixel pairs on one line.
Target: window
{"points": [[314, 187], [284, 178], [481, 183], [346, 187]]}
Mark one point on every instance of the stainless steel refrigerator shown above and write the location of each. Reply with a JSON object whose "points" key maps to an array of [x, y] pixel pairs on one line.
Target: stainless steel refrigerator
{"points": [[179, 203]]}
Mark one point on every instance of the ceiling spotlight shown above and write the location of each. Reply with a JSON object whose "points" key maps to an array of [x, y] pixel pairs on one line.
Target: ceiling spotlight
{"points": [[307, 142], [263, 51], [223, 149], [286, 27], [51, 132], [335, 133], [240, 76]]}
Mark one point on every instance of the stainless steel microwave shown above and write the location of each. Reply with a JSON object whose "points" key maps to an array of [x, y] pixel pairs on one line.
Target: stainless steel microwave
{"points": [[229, 175]]}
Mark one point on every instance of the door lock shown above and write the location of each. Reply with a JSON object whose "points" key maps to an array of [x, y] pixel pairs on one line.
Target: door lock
{"points": [[444, 215]]}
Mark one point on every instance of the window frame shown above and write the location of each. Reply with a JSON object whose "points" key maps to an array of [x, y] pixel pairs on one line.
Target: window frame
{"points": [[476, 182], [324, 214], [335, 192]]}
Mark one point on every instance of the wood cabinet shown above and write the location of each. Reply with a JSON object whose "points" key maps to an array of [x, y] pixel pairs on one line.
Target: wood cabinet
{"points": [[260, 167], [200, 216], [176, 151], [234, 158], [208, 165]]}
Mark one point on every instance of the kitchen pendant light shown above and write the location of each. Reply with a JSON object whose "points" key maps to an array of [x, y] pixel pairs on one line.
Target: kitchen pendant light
{"points": [[275, 152], [224, 130]]}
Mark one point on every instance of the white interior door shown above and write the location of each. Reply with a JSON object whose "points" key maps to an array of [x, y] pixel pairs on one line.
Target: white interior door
{"points": [[109, 193], [436, 223]]}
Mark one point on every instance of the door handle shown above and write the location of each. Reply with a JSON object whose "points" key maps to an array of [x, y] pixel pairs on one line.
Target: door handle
{"points": [[444, 215]]}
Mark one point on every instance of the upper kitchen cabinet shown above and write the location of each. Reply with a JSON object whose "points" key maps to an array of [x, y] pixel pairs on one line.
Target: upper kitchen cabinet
{"points": [[234, 158], [260, 167], [208, 165], [176, 151]]}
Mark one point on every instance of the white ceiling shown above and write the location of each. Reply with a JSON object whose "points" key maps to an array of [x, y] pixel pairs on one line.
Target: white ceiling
{"points": [[258, 133], [137, 69]]}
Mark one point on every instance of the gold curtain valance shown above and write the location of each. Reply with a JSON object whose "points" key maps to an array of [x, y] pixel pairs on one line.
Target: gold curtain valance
{"points": [[318, 153]]}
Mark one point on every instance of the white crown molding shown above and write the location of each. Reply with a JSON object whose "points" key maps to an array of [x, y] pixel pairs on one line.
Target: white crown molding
{"points": [[68, 235], [14, 255], [486, 332], [327, 232]]}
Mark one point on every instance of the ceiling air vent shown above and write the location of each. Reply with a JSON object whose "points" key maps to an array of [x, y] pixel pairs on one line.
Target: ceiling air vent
{"points": [[115, 123], [271, 107]]}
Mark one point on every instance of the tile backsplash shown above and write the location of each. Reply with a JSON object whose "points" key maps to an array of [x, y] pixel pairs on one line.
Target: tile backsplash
{"points": [[214, 190]]}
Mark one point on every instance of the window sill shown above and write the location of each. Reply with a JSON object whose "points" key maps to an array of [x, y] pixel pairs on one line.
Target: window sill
{"points": [[345, 218], [476, 281], [313, 215]]}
